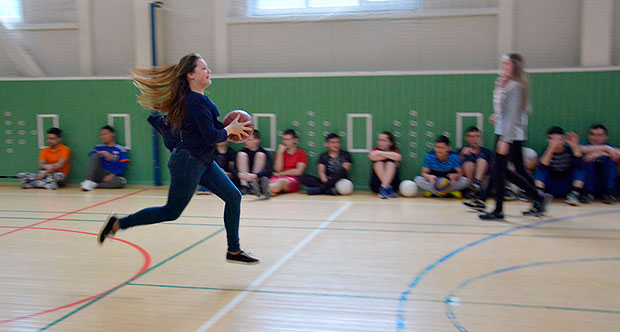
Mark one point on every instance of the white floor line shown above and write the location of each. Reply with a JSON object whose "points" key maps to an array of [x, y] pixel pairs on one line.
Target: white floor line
{"points": [[222, 312]]}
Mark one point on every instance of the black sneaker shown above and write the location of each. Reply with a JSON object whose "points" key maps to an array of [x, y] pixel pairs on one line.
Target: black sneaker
{"points": [[245, 190], [241, 258], [572, 198], [475, 186], [539, 208], [547, 198], [256, 188], [492, 216], [476, 204], [264, 187], [586, 198], [533, 211], [107, 230], [608, 199], [509, 195]]}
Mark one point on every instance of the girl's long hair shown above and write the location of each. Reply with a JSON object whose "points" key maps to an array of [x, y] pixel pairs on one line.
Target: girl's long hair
{"points": [[165, 88], [519, 75]]}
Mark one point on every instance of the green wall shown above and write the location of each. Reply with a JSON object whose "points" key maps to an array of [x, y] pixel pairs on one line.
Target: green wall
{"points": [[424, 104]]}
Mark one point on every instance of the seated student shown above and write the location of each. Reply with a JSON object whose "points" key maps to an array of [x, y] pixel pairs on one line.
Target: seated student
{"points": [[475, 159], [289, 164], [530, 163], [54, 161], [333, 165], [106, 163], [441, 162], [530, 159], [601, 163], [253, 167], [561, 170], [385, 162], [225, 158]]}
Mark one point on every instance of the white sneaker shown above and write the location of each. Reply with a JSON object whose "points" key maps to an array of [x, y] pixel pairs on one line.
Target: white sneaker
{"points": [[88, 185]]}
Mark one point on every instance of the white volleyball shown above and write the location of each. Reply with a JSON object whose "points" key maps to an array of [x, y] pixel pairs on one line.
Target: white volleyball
{"points": [[408, 188], [344, 187]]}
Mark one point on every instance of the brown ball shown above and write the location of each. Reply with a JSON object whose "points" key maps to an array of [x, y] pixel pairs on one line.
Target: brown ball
{"points": [[243, 117]]}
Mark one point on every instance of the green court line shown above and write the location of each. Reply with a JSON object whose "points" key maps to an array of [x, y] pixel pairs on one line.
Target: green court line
{"points": [[335, 221], [174, 223], [615, 312], [601, 311], [275, 292]]}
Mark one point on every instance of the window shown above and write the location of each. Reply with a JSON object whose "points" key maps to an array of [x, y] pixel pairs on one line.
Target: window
{"points": [[309, 7], [11, 11]]}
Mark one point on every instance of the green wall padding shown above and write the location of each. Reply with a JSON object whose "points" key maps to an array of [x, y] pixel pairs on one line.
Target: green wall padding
{"points": [[418, 108]]}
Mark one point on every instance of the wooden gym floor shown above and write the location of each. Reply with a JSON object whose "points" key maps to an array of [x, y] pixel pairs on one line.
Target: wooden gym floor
{"points": [[353, 263]]}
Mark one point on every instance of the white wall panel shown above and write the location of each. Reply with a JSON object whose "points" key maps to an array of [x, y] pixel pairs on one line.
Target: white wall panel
{"points": [[113, 37], [364, 45], [56, 52], [548, 32], [189, 28], [616, 35]]}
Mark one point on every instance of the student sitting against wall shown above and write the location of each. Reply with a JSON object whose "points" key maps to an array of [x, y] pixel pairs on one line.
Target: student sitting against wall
{"points": [[530, 163], [442, 162], [289, 164], [475, 159], [253, 167], [225, 157], [106, 163], [54, 161], [601, 164], [385, 162], [333, 165], [561, 170]]}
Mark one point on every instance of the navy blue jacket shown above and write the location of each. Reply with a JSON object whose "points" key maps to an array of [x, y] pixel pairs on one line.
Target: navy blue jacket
{"points": [[200, 131]]}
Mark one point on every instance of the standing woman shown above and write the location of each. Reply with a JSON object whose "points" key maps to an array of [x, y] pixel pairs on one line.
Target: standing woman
{"points": [[511, 99], [178, 91]]}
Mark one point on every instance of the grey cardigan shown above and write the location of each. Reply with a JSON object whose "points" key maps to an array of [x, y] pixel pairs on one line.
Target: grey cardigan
{"points": [[511, 124]]}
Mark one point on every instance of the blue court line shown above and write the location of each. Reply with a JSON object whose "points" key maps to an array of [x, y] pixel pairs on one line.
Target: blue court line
{"points": [[174, 223], [400, 312], [480, 225], [132, 279], [448, 304]]}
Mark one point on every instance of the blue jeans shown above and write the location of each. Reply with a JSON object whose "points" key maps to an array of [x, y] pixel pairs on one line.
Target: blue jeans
{"points": [[186, 172], [601, 176], [558, 187]]}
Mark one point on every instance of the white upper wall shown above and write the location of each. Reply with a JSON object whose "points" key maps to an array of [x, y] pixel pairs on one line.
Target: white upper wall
{"points": [[188, 28], [547, 32], [112, 28], [616, 34], [364, 45]]}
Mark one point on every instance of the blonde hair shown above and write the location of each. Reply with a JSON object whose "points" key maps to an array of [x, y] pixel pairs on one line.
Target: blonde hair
{"points": [[519, 74], [165, 88]]}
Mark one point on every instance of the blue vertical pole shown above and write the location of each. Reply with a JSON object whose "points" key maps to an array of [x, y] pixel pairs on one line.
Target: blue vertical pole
{"points": [[156, 166]]}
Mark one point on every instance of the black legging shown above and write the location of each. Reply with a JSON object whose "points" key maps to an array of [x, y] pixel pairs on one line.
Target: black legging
{"points": [[500, 172]]}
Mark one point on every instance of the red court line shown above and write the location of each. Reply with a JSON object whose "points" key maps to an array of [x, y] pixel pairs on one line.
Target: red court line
{"points": [[145, 266], [72, 212]]}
